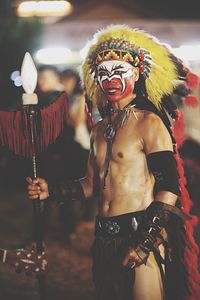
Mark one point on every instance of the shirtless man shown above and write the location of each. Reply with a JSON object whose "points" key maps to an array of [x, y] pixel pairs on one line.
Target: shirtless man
{"points": [[131, 167]]}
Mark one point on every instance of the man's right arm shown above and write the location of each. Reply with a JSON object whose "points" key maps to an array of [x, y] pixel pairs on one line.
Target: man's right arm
{"points": [[64, 191]]}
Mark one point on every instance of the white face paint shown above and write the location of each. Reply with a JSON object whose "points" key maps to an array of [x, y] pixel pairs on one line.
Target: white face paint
{"points": [[114, 69]]}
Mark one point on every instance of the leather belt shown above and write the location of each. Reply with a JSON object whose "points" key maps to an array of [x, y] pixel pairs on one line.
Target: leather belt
{"points": [[122, 225]]}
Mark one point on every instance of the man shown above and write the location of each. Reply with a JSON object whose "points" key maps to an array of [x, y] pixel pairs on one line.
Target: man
{"points": [[49, 84], [131, 164], [72, 85]]}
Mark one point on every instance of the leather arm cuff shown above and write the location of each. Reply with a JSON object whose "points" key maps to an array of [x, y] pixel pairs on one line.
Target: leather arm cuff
{"points": [[158, 215], [64, 192], [164, 168]]}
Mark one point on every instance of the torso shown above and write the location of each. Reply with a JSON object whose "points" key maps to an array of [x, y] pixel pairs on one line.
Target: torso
{"points": [[128, 184]]}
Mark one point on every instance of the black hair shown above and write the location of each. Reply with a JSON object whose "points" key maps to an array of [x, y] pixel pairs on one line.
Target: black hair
{"points": [[48, 68], [69, 73], [140, 88], [66, 73]]}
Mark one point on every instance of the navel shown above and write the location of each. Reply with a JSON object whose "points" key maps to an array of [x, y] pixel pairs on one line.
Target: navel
{"points": [[120, 154]]}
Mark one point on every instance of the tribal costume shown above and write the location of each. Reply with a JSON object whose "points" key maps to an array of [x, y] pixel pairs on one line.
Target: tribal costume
{"points": [[160, 73], [113, 54]]}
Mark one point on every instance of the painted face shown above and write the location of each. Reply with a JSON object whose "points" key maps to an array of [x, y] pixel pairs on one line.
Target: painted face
{"points": [[116, 79]]}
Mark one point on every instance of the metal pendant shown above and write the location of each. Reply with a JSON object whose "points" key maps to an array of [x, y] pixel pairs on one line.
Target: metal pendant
{"points": [[109, 132]]}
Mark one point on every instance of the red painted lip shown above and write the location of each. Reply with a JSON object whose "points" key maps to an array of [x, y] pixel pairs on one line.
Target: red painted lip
{"points": [[111, 85]]}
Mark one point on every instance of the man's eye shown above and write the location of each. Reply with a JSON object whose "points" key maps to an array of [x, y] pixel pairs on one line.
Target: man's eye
{"points": [[119, 72], [102, 73]]}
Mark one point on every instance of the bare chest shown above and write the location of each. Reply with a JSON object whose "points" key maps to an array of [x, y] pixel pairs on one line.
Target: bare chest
{"points": [[126, 145]]}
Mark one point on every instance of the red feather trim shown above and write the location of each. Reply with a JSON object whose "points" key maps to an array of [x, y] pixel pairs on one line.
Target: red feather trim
{"points": [[191, 101], [192, 80], [191, 251], [179, 128], [15, 127]]}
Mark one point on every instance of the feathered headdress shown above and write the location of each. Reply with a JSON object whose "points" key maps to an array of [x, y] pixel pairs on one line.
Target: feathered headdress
{"points": [[139, 49], [162, 73]]}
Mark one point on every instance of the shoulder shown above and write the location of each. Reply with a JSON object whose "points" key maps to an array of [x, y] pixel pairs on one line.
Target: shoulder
{"points": [[149, 122], [148, 118], [154, 133]]}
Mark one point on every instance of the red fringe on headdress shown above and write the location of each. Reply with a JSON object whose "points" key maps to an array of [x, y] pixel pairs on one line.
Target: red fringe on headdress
{"points": [[191, 251], [15, 127]]}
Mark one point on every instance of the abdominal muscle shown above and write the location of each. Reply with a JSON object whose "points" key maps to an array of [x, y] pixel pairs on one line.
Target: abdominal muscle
{"points": [[126, 190]]}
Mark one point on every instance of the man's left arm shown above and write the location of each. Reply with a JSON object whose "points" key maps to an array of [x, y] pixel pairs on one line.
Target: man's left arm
{"points": [[161, 162]]}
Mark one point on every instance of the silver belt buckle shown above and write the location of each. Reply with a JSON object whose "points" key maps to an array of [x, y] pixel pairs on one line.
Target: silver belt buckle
{"points": [[112, 227]]}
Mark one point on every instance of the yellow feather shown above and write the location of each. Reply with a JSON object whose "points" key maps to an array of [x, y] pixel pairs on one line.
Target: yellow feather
{"points": [[163, 74]]}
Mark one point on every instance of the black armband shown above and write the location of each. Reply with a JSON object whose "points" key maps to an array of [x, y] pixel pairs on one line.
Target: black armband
{"points": [[157, 218], [163, 166], [64, 192]]}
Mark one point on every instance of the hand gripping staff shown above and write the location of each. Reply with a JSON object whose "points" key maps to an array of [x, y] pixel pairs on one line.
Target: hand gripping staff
{"points": [[29, 131]]}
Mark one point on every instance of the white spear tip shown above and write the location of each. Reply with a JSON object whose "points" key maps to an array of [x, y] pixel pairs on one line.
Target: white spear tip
{"points": [[28, 75]]}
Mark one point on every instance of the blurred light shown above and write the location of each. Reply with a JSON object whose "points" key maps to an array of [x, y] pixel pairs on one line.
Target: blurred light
{"points": [[18, 81], [53, 55], [188, 52], [14, 75], [44, 8]]}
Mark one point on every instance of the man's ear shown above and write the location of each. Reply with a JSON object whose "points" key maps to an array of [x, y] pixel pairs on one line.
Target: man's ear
{"points": [[136, 74]]}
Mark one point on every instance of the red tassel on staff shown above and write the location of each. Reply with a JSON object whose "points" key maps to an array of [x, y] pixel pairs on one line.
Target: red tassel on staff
{"points": [[16, 137], [53, 118]]}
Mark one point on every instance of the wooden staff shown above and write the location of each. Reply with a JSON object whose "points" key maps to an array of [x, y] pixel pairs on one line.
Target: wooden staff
{"points": [[29, 81]]}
